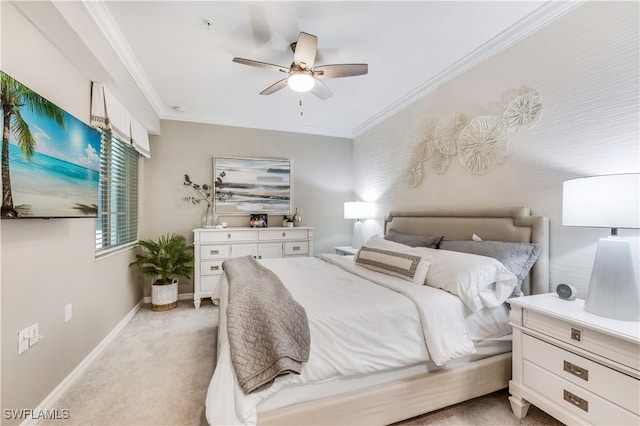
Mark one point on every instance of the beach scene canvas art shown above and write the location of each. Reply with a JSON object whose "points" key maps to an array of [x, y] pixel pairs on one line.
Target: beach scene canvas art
{"points": [[251, 185], [50, 159]]}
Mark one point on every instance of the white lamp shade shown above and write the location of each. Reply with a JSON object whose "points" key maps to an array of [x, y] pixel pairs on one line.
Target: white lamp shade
{"points": [[358, 210], [609, 201]]}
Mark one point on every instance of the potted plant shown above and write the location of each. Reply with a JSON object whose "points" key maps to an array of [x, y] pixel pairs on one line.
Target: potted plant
{"points": [[164, 261]]}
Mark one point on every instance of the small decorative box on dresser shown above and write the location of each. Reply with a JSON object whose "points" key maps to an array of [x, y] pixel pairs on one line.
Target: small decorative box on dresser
{"points": [[214, 246], [578, 367]]}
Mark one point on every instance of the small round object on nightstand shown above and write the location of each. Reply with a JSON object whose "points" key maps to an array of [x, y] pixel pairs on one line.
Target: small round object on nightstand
{"points": [[566, 292]]}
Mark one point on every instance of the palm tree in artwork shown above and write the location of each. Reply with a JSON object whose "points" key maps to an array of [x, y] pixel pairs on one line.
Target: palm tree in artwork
{"points": [[15, 97]]}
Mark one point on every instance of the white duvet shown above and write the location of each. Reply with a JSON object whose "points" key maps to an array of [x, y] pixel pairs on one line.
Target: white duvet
{"points": [[360, 322]]}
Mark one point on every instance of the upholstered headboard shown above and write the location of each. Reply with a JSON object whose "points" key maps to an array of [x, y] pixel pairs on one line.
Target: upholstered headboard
{"points": [[499, 224]]}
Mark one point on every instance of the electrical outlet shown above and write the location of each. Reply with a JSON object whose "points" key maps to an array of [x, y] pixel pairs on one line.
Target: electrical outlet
{"points": [[34, 334], [68, 312], [23, 340]]}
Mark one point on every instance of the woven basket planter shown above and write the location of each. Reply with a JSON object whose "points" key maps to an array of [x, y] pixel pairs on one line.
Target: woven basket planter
{"points": [[164, 297]]}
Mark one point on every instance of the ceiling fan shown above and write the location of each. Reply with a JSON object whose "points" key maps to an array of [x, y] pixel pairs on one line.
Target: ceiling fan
{"points": [[302, 76]]}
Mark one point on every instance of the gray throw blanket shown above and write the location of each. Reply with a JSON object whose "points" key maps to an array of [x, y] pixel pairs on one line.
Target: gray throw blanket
{"points": [[268, 330]]}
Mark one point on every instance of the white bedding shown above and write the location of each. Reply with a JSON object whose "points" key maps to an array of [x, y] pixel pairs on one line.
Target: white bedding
{"points": [[357, 327]]}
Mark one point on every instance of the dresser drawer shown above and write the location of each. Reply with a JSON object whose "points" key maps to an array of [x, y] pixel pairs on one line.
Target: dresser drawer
{"points": [[220, 251], [605, 345], [229, 236], [210, 283], [211, 267], [611, 385], [283, 234], [565, 395], [293, 248]]}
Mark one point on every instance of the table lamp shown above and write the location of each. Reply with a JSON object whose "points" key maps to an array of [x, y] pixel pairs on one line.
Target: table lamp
{"points": [[358, 210], [609, 201]]}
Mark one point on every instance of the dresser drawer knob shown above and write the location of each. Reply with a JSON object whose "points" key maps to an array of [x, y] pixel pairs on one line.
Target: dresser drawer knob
{"points": [[212, 252], [577, 371], [228, 236], [576, 334], [296, 248], [284, 234], [215, 268], [575, 400]]}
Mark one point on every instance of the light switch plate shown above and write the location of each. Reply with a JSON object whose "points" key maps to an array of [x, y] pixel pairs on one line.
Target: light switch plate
{"points": [[23, 340], [68, 312], [34, 334]]}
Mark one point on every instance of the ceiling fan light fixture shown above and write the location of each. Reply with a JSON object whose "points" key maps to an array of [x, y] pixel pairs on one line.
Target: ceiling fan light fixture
{"points": [[300, 81]]}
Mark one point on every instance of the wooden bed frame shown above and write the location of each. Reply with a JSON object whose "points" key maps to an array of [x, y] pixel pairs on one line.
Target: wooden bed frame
{"points": [[403, 399]]}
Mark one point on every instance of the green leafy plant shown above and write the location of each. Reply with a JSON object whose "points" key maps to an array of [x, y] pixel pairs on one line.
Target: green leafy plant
{"points": [[204, 191], [168, 258]]}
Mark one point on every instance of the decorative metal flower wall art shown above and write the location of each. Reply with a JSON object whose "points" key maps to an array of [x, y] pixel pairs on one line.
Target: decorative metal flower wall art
{"points": [[483, 143], [448, 133], [480, 144], [523, 112]]}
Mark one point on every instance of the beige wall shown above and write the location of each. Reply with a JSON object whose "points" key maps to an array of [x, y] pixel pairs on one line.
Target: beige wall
{"points": [[46, 264], [320, 170], [585, 66]]}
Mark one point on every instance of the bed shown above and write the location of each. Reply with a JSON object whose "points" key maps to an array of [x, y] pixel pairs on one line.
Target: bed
{"points": [[401, 388]]}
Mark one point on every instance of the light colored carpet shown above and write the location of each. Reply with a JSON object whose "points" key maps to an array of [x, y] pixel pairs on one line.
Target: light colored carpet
{"points": [[157, 370]]}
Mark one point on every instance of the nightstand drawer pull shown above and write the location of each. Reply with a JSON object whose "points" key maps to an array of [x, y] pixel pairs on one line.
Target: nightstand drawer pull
{"points": [[583, 373], [295, 248], [215, 268], [212, 252], [576, 334], [582, 404]]}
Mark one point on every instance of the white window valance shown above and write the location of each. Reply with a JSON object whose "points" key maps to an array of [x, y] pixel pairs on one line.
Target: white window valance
{"points": [[108, 113]]}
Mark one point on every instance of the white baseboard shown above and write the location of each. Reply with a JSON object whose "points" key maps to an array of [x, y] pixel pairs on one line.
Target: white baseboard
{"points": [[181, 296], [51, 400]]}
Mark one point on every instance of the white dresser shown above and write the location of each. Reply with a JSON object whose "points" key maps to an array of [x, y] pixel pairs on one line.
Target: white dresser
{"points": [[578, 367], [213, 246]]}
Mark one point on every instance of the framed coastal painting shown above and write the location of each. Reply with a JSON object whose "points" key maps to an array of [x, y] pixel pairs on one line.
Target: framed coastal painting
{"points": [[251, 186], [50, 159]]}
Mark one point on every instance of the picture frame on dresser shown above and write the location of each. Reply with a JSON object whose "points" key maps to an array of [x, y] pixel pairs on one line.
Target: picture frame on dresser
{"points": [[244, 186]]}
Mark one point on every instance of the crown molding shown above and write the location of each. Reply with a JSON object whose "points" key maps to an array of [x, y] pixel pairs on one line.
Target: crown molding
{"points": [[528, 25], [103, 18], [262, 125]]}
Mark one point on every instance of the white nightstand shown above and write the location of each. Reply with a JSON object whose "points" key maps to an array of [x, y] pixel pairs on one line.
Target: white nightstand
{"points": [[345, 251], [578, 367]]}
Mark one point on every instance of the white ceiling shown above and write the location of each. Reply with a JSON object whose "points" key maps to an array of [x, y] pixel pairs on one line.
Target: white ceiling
{"points": [[411, 48]]}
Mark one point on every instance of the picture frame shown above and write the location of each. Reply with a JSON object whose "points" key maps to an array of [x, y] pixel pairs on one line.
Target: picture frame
{"points": [[251, 186], [258, 220]]}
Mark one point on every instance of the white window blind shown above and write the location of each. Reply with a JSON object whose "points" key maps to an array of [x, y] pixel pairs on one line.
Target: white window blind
{"points": [[117, 223]]}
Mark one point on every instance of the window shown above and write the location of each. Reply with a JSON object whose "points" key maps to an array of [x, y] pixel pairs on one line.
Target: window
{"points": [[117, 222]]}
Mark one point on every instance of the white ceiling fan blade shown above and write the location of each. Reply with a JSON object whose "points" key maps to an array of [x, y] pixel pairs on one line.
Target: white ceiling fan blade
{"points": [[259, 64], [340, 70], [305, 51], [320, 90], [275, 87]]}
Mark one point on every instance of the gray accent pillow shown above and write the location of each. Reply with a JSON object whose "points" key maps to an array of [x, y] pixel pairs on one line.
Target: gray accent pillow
{"points": [[412, 240], [516, 257]]}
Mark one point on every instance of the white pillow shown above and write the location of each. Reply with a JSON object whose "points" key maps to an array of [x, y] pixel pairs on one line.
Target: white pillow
{"points": [[480, 281], [395, 259]]}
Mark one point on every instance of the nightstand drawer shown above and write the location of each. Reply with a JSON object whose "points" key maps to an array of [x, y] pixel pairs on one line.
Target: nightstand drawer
{"points": [[214, 252], [611, 385], [296, 248], [211, 267], [602, 344], [579, 402]]}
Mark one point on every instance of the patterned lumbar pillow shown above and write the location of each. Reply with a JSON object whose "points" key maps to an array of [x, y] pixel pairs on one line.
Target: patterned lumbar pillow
{"points": [[394, 259]]}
